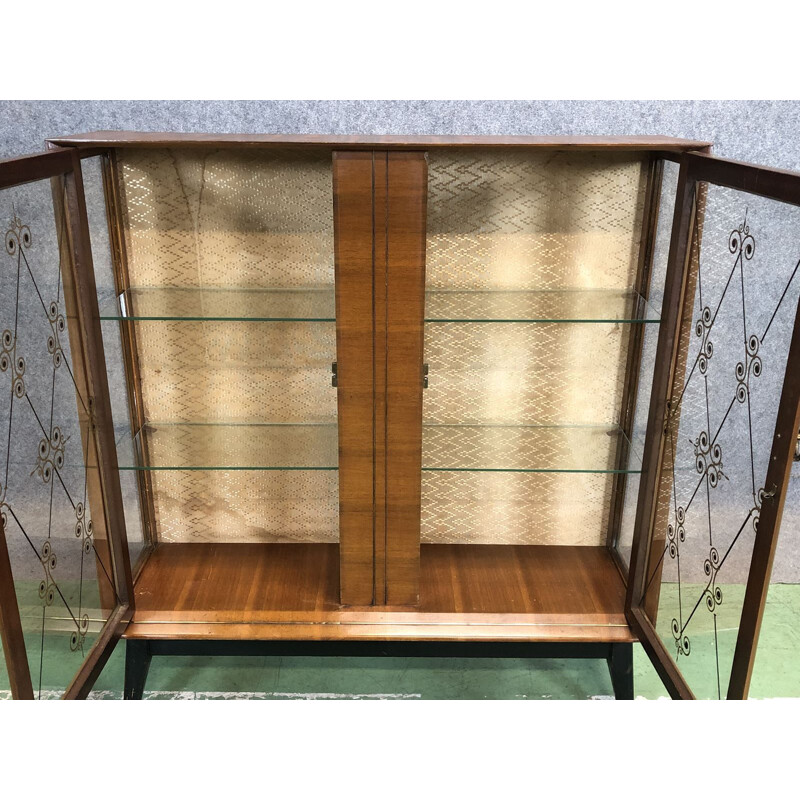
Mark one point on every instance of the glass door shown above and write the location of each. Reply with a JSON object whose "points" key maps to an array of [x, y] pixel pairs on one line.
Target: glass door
{"points": [[65, 579], [532, 305], [722, 427], [226, 307]]}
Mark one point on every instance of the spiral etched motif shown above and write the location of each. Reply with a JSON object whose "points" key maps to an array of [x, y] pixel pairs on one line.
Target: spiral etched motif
{"points": [[16, 363], [682, 643], [744, 370], [51, 455], [708, 459], [47, 587], [83, 529], [740, 241], [18, 237], [702, 328], [51, 444], [730, 307], [57, 325]]}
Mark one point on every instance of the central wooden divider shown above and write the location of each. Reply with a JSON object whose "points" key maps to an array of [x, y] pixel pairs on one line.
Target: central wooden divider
{"points": [[380, 201]]}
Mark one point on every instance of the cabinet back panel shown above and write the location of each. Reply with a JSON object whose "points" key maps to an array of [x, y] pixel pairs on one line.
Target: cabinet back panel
{"points": [[505, 225], [228, 218], [534, 220], [203, 221]]}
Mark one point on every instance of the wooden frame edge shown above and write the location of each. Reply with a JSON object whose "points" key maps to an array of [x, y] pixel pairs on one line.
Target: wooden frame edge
{"points": [[11, 633], [86, 293], [630, 390], [697, 170], [766, 540], [101, 651]]}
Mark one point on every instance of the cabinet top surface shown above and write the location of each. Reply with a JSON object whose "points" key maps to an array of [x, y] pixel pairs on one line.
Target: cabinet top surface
{"points": [[140, 139]]}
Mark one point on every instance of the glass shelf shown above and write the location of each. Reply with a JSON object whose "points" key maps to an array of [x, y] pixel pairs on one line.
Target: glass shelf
{"points": [[318, 305], [591, 305], [256, 305], [522, 448], [200, 446]]}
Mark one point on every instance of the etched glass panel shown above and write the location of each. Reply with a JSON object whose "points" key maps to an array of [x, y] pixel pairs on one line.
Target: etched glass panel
{"points": [[739, 314], [49, 486]]}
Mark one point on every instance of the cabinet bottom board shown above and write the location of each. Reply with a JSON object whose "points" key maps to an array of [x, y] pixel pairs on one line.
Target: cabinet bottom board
{"points": [[467, 593]]}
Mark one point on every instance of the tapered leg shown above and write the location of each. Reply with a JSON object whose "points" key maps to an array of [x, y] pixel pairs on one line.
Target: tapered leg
{"points": [[620, 665], [137, 664]]}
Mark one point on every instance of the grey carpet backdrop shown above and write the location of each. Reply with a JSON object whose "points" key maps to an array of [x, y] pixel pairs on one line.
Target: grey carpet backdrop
{"points": [[763, 132]]}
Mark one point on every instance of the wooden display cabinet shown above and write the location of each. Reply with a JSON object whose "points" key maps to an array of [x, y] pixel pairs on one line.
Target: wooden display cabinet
{"points": [[476, 396]]}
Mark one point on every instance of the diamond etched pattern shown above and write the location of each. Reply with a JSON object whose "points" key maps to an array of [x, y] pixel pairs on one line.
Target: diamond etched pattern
{"points": [[512, 507], [738, 318], [228, 218]]}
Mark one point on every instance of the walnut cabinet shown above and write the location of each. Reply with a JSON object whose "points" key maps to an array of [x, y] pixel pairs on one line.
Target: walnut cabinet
{"points": [[421, 395]]}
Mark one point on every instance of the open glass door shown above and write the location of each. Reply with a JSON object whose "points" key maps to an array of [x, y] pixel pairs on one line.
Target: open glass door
{"points": [[65, 579], [722, 427]]}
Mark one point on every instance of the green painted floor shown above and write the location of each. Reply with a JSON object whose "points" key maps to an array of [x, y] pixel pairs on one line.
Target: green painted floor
{"points": [[777, 673]]}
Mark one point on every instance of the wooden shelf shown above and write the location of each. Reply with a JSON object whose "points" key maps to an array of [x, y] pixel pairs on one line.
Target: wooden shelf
{"points": [[467, 592]]}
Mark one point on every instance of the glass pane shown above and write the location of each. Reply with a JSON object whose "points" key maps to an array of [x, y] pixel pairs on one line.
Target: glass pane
{"points": [[739, 315], [237, 439], [594, 305], [775, 673], [530, 303], [49, 485], [203, 446], [658, 274], [521, 448], [102, 258], [259, 305]]}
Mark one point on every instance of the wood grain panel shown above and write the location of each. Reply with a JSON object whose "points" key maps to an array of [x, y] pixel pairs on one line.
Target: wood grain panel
{"points": [[407, 202], [88, 347], [381, 350], [124, 138], [353, 231], [11, 634], [769, 524], [290, 591]]}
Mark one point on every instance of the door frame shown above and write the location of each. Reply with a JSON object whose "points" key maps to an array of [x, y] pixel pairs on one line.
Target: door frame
{"points": [[62, 167], [696, 170]]}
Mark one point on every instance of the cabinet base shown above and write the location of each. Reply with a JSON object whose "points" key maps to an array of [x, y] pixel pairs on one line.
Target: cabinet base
{"points": [[139, 652]]}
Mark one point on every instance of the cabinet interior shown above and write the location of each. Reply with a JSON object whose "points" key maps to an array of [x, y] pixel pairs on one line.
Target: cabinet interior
{"points": [[533, 302], [229, 295], [532, 297]]}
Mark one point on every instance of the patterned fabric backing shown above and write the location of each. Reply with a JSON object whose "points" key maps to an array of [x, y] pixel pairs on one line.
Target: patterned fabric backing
{"points": [[228, 218], [530, 221], [221, 219], [500, 220]]}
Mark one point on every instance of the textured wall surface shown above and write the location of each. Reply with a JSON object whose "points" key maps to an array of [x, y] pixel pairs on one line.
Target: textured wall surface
{"points": [[758, 131]]}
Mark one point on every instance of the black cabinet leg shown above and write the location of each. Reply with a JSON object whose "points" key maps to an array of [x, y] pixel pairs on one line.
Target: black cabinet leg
{"points": [[137, 664], [620, 665]]}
